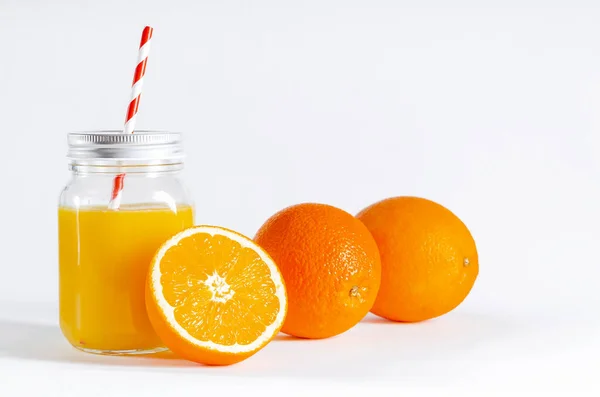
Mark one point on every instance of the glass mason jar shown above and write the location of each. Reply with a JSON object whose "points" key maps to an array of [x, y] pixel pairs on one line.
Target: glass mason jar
{"points": [[106, 244]]}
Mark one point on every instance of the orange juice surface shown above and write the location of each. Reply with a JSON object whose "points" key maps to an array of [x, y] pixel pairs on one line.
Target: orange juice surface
{"points": [[104, 256]]}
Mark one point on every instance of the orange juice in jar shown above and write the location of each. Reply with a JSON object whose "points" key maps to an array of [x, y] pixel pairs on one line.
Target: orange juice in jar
{"points": [[105, 248]]}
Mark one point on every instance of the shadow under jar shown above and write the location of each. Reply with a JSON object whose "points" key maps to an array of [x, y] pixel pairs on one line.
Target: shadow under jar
{"points": [[106, 246]]}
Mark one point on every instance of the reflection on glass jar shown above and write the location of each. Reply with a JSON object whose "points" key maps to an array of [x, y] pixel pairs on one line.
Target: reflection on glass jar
{"points": [[105, 251]]}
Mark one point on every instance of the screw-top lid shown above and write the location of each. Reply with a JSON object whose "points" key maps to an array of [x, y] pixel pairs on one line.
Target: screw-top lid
{"points": [[143, 147]]}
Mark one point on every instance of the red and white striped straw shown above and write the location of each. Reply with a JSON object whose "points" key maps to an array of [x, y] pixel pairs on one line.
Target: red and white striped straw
{"points": [[132, 109]]}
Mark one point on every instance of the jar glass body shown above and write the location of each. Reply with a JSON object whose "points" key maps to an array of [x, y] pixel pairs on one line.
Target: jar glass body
{"points": [[105, 252]]}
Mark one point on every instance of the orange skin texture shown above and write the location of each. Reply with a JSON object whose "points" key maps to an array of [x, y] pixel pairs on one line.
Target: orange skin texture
{"points": [[423, 248], [330, 265]]}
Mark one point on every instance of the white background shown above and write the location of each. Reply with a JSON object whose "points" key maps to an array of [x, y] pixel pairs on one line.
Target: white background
{"points": [[490, 108]]}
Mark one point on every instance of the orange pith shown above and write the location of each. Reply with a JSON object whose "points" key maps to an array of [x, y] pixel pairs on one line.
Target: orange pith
{"points": [[215, 297]]}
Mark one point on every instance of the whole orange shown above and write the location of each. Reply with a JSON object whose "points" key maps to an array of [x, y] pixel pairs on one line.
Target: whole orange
{"points": [[429, 260], [330, 265]]}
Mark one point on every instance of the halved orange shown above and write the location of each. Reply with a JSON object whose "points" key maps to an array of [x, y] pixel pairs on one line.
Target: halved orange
{"points": [[214, 296]]}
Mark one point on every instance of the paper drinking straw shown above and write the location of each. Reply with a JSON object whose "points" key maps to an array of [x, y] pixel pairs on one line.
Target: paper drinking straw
{"points": [[132, 109]]}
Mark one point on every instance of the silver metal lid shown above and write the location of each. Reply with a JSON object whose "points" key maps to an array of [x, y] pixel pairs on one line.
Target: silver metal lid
{"points": [[109, 147]]}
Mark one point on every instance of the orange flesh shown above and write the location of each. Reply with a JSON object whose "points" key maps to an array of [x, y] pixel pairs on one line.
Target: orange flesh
{"points": [[221, 291]]}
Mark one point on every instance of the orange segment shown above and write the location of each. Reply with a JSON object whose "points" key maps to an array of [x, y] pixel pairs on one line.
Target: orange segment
{"points": [[214, 296]]}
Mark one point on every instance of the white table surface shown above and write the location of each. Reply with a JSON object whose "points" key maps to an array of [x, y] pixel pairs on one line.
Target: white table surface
{"points": [[465, 352], [491, 108]]}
